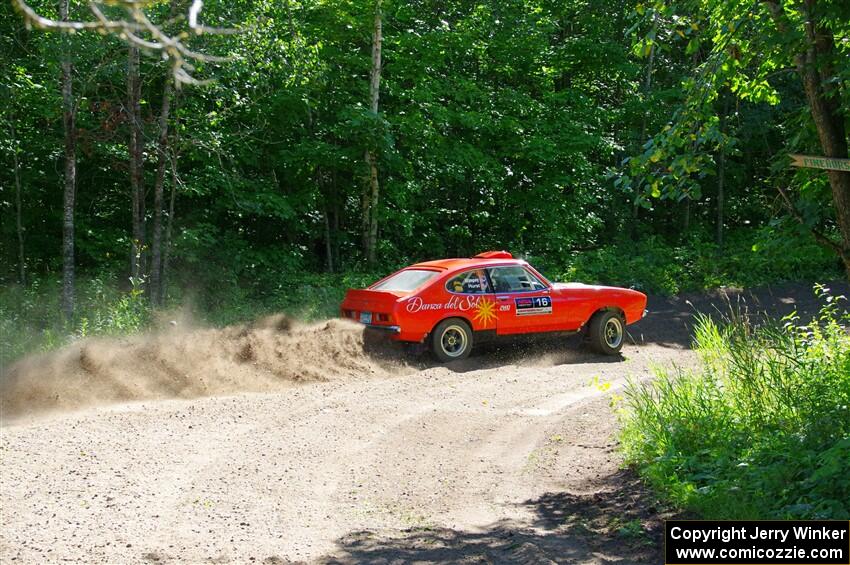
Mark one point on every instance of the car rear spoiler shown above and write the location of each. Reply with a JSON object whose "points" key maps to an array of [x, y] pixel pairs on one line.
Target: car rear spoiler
{"points": [[494, 255], [374, 295]]}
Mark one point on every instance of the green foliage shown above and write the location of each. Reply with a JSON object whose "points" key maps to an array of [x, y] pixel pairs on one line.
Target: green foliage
{"points": [[761, 431], [31, 319], [501, 125], [743, 57], [496, 125], [305, 296], [653, 265]]}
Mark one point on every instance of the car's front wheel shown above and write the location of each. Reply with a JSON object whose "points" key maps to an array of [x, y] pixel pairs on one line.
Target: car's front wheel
{"points": [[606, 333], [451, 340]]}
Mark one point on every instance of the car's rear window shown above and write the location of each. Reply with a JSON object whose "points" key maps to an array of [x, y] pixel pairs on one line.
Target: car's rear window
{"points": [[406, 280]]}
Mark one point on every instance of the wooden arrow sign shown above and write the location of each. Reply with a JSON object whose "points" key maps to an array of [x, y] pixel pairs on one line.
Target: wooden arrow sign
{"points": [[814, 162]]}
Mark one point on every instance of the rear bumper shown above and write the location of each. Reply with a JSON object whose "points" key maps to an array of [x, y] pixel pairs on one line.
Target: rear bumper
{"points": [[384, 329], [396, 333]]}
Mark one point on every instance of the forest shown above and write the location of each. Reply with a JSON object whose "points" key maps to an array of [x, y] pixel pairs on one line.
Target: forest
{"points": [[643, 144], [228, 160]]}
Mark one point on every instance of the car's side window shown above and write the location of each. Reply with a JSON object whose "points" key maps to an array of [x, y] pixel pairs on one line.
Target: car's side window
{"points": [[469, 282], [514, 279]]}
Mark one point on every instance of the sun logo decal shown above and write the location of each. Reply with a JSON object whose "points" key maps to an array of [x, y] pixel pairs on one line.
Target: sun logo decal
{"points": [[485, 312]]}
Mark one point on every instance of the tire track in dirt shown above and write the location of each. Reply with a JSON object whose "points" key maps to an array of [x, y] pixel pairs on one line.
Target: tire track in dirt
{"points": [[288, 474]]}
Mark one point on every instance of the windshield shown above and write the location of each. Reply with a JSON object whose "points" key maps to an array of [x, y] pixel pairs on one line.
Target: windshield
{"points": [[407, 280]]}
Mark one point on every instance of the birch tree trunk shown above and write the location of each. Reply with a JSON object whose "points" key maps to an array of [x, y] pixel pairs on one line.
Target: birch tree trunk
{"points": [[70, 181], [19, 227], [162, 163], [169, 225], [135, 149], [326, 222], [372, 193]]}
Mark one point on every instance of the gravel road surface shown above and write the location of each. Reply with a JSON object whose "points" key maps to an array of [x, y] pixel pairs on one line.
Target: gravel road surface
{"points": [[508, 456]]}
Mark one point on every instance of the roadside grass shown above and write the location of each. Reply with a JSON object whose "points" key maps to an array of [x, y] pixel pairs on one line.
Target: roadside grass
{"points": [[31, 319], [761, 430]]}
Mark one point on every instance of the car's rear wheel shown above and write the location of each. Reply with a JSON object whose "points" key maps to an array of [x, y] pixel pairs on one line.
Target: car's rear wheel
{"points": [[606, 333], [451, 340]]}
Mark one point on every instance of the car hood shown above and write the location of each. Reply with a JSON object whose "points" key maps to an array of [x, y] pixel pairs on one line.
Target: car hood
{"points": [[567, 286], [582, 286]]}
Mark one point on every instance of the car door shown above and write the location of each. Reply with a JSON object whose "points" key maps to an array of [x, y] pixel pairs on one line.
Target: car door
{"points": [[471, 296], [524, 303]]}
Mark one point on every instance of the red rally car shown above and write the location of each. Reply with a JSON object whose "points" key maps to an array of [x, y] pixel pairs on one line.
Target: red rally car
{"points": [[450, 301]]}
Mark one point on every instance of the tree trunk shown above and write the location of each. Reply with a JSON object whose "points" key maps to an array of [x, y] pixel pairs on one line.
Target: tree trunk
{"points": [[336, 215], [365, 207], [647, 88], [329, 256], [169, 226], [816, 70], [721, 178], [162, 162], [814, 66], [69, 123], [373, 216], [19, 227], [135, 149], [166, 255], [326, 221], [721, 182], [372, 192]]}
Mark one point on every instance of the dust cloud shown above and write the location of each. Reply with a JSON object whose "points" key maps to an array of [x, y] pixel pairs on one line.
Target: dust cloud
{"points": [[262, 356]]}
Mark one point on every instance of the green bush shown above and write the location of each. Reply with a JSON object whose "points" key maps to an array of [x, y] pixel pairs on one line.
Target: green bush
{"points": [[653, 265], [761, 431], [303, 295], [31, 319]]}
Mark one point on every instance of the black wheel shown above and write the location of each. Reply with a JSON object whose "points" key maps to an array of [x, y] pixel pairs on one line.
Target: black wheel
{"points": [[451, 340], [606, 333]]}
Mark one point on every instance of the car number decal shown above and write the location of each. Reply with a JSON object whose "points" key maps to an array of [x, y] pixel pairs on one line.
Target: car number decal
{"points": [[533, 305]]}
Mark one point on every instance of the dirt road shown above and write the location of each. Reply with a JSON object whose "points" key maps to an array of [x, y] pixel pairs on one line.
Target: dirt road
{"points": [[508, 457]]}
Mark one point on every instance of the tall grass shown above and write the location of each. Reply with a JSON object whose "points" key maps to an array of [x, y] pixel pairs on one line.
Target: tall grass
{"points": [[31, 318], [762, 430]]}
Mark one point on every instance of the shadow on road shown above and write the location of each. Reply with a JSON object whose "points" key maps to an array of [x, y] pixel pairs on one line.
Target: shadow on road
{"points": [[545, 349], [670, 323], [618, 522], [671, 320]]}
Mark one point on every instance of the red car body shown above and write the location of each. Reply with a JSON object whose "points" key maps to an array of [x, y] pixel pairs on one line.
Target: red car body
{"points": [[491, 292]]}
